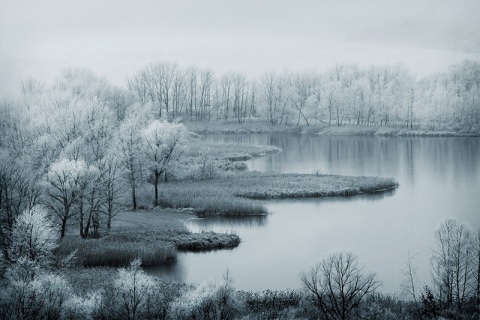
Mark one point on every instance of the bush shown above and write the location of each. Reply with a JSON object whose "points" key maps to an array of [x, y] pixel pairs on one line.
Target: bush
{"points": [[133, 295], [43, 298], [205, 302]]}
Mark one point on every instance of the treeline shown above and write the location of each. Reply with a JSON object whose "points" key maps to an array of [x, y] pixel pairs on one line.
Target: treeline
{"points": [[378, 96]]}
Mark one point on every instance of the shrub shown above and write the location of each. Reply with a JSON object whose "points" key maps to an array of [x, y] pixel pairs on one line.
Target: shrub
{"points": [[204, 302], [43, 298], [133, 295]]}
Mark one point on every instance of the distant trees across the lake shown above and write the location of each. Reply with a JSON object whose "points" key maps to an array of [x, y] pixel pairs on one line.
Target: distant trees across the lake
{"points": [[380, 96]]}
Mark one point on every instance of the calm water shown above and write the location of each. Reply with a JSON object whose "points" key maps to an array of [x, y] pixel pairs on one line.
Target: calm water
{"points": [[439, 178]]}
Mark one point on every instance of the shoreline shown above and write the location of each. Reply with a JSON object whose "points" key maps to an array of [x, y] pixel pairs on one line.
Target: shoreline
{"points": [[262, 127]]}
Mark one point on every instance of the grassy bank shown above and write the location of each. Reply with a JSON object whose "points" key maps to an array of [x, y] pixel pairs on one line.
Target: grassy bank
{"points": [[352, 130], [253, 126], [261, 126], [238, 194], [153, 236], [231, 151], [117, 249]]}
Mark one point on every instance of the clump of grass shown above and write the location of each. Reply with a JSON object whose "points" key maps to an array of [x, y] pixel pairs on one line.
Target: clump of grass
{"points": [[251, 126], [121, 254], [117, 251], [230, 150], [207, 199], [205, 241], [270, 304], [238, 194], [275, 186], [349, 130]]}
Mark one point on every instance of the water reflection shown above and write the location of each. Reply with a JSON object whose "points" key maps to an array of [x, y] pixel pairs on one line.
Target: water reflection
{"points": [[173, 271], [232, 223]]}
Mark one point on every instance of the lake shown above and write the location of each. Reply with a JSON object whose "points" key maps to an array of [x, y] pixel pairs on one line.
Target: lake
{"points": [[438, 178]]}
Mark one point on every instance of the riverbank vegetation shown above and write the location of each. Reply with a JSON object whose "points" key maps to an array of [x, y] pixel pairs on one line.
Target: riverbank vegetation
{"points": [[153, 236], [338, 287]]}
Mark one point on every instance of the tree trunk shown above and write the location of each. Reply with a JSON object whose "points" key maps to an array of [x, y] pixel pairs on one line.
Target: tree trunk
{"points": [[63, 228], [81, 218], [134, 197], [157, 175]]}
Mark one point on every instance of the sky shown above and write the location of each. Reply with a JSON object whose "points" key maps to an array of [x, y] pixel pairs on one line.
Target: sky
{"points": [[116, 38]]}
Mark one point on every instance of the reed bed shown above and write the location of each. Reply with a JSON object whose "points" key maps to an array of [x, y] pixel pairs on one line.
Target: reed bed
{"points": [[270, 300], [121, 254], [149, 236], [238, 194], [282, 186], [118, 251], [205, 241], [230, 150]]}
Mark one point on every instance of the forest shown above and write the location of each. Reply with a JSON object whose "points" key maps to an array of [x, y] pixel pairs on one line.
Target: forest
{"points": [[77, 152]]}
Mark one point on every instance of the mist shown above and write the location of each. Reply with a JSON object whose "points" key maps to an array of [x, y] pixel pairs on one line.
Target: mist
{"points": [[116, 38]]}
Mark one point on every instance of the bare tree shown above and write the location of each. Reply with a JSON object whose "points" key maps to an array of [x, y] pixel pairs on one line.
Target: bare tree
{"points": [[192, 84], [113, 189], [129, 145], [337, 285], [207, 81], [409, 273], [452, 263], [64, 185]]}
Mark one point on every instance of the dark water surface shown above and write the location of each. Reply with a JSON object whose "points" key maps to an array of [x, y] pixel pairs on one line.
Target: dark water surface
{"points": [[439, 178]]}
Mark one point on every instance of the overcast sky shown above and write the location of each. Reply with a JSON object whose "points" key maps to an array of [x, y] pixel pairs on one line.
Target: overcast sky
{"points": [[115, 38]]}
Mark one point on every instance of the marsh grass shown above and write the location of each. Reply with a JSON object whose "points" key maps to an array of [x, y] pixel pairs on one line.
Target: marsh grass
{"points": [[271, 304], [355, 130], [154, 247], [205, 241], [282, 186], [118, 250], [233, 151], [261, 126], [235, 195], [251, 126]]}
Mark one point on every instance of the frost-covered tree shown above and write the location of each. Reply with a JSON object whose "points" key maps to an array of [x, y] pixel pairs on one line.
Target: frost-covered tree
{"points": [[207, 301], [32, 292], [134, 291], [44, 297], [32, 244], [164, 145], [64, 185], [113, 189], [130, 145]]}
